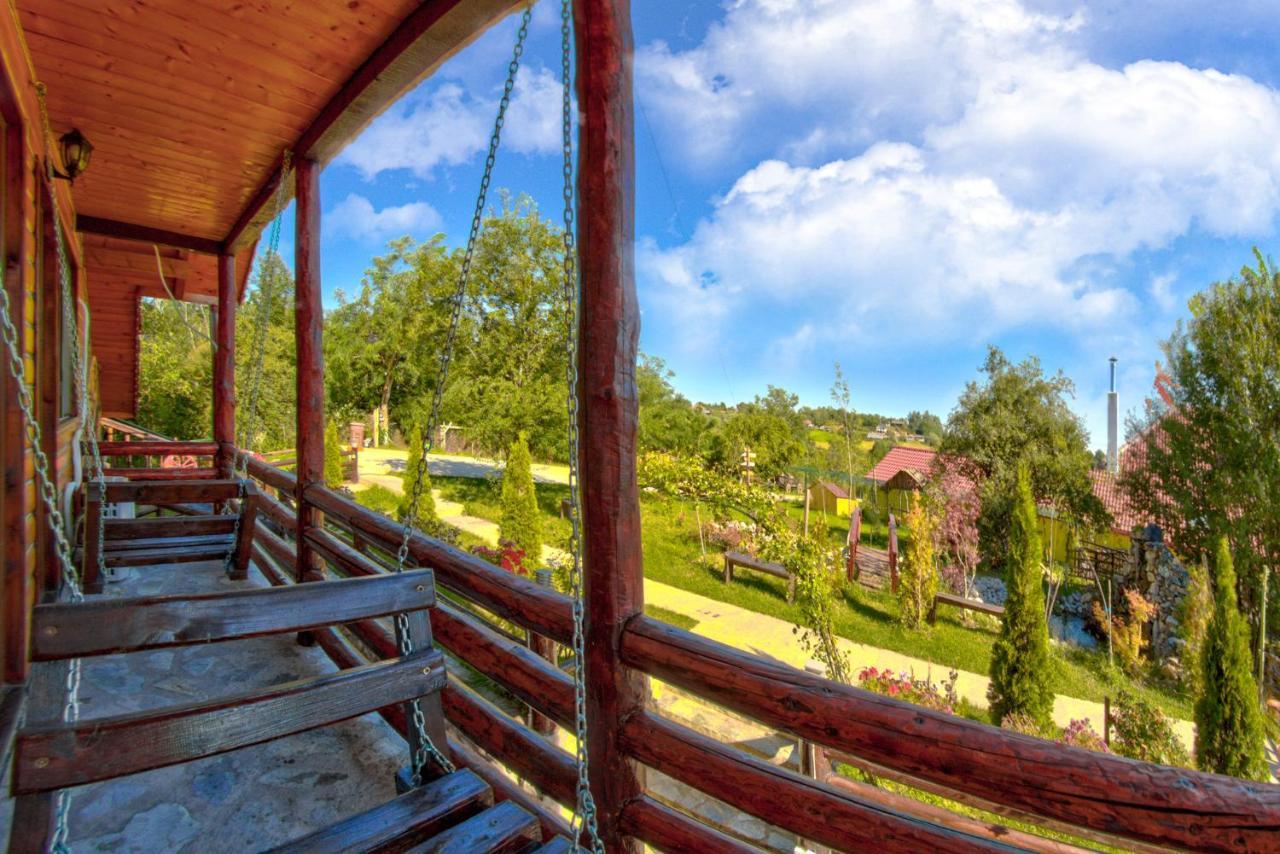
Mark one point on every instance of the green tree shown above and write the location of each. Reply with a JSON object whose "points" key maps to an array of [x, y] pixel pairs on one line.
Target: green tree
{"points": [[273, 418], [1194, 613], [668, 422], [1020, 663], [521, 521], [763, 430], [175, 368], [1019, 417], [1204, 459], [918, 581], [425, 517], [511, 361], [332, 456], [1229, 726]]}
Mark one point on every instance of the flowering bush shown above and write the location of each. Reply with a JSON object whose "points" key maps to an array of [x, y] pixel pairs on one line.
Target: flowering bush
{"points": [[1025, 724], [507, 555], [1141, 731], [941, 697], [1080, 733], [1126, 631], [730, 536]]}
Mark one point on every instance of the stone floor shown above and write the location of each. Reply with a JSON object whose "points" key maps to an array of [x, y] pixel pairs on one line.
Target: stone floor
{"points": [[246, 800]]}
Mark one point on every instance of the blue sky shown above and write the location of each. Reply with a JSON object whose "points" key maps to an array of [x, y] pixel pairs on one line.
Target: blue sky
{"points": [[890, 183]]}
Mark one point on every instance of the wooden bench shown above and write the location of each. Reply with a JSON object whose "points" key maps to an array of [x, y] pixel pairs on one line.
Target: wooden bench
{"points": [[746, 561], [961, 602]]}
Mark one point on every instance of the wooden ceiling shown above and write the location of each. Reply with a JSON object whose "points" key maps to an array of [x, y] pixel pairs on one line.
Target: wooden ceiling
{"points": [[131, 266], [190, 103]]}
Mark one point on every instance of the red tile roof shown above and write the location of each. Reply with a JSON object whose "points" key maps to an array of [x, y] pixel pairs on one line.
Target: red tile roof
{"points": [[901, 457], [835, 490], [1107, 487]]}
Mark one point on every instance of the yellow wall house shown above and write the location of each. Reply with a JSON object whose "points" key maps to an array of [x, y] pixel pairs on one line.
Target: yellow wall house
{"points": [[827, 497], [1054, 526]]}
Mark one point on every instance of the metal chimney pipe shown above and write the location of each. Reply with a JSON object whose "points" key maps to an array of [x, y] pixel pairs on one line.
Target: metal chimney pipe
{"points": [[1113, 417]]}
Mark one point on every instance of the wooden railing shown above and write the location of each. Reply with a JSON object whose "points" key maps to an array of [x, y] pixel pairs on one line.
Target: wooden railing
{"points": [[1092, 795], [158, 459]]}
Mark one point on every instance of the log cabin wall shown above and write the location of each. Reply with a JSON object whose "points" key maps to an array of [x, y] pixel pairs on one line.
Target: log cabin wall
{"points": [[25, 150], [115, 322]]}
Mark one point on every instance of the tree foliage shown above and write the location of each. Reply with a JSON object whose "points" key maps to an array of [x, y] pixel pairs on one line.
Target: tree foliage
{"points": [[1229, 725], [918, 579], [176, 398], [521, 521], [1194, 613], [1020, 660], [1205, 460], [1019, 417], [424, 516], [668, 422]]}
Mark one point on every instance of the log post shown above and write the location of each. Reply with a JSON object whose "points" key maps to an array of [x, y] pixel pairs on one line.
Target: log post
{"points": [[224, 367], [614, 573], [308, 326]]}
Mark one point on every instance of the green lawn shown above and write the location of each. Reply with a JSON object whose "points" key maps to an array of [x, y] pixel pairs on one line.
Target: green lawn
{"points": [[671, 553]]}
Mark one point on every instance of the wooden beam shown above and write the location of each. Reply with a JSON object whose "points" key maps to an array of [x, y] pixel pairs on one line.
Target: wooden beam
{"points": [[308, 337], [1137, 800], [224, 367], [610, 327], [428, 36], [130, 231], [670, 830]]}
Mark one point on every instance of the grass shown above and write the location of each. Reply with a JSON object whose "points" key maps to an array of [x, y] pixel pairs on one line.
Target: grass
{"points": [[379, 499], [671, 551], [870, 616], [821, 438], [680, 621]]}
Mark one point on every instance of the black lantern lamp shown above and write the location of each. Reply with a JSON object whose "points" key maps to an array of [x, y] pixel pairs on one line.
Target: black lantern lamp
{"points": [[75, 151]]}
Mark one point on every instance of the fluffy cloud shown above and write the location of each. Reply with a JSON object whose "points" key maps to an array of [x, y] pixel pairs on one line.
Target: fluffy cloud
{"points": [[957, 170], [355, 217], [447, 126]]}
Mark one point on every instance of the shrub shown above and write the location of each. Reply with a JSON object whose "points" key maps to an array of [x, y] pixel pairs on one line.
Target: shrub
{"points": [[1126, 630], [1141, 731], [919, 574], [332, 457], [1229, 726], [379, 499], [424, 518], [941, 697], [1027, 725], [1193, 625], [1020, 657], [1080, 733], [809, 562], [521, 521]]}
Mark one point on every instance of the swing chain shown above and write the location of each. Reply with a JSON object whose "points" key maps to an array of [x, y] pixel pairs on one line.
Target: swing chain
{"points": [[425, 746], [266, 296], [584, 817]]}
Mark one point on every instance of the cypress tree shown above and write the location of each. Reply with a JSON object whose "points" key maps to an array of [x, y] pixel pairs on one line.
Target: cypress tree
{"points": [[332, 457], [521, 521], [1020, 664], [425, 518], [1229, 726]]}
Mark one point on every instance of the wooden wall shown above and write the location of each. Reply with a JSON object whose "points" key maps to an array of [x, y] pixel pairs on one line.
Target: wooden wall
{"points": [[25, 150], [114, 320]]}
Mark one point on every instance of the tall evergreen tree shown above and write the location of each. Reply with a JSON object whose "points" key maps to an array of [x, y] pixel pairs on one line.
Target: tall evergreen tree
{"points": [[1020, 664], [1229, 726], [521, 522], [425, 517]]}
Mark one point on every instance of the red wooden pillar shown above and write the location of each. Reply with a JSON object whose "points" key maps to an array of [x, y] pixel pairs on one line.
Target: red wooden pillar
{"points": [[606, 383], [224, 367], [308, 323]]}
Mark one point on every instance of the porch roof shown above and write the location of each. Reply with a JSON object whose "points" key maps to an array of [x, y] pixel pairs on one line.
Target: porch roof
{"points": [[190, 103]]}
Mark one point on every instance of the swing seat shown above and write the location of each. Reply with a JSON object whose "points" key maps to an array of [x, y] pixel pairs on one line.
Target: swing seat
{"points": [[165, 540], [451, 813]]}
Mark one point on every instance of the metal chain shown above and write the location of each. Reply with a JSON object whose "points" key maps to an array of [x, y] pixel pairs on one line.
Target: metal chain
{"points": [[585, 814], [426, 749], [46, 486], [266, 296]]}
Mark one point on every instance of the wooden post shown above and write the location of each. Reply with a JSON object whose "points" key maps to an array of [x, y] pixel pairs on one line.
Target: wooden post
{"points": [[224, 367], [93, 497], [614, 572], [308, 323], [893, 553]]}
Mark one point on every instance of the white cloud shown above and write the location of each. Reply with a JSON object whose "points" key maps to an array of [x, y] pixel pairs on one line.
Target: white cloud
{"points": [[355, 217], [1007, 176], [448, 126]]}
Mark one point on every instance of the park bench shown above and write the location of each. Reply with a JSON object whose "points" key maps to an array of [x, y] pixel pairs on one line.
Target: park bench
{"points": [[962, 602], [746, 561]]}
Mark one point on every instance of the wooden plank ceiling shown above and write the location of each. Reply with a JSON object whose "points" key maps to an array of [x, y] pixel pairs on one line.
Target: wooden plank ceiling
{"points": [[189, 103]]}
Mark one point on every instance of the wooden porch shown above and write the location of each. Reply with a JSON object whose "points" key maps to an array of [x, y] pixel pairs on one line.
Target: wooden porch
{"points": [[301, 635]]}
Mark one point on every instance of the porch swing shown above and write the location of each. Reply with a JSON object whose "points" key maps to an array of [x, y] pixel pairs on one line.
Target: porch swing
{"points": [[440, 808]]}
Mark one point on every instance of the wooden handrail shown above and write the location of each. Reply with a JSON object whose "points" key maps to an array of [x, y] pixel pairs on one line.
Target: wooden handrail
{"points": [[812, 809], [670, 830], [518, 599], [153, 474], [157, 448], [274, 477], [1117, 796], [172, 492]]}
